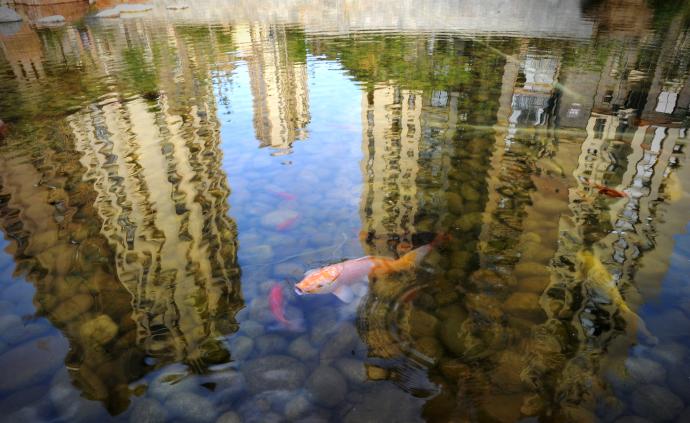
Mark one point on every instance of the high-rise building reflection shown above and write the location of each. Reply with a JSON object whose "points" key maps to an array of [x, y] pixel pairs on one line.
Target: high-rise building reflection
{"points": [[278, 78], [163, 201], [126, 235]]}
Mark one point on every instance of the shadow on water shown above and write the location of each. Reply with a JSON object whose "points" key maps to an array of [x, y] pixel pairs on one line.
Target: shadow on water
{"points": [[168, 175]]}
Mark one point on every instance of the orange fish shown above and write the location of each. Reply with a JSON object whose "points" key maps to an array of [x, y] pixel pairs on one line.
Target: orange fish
{"points": [[287, 223], [604, 190], [340, 278], [610, 192], [277, 304]]}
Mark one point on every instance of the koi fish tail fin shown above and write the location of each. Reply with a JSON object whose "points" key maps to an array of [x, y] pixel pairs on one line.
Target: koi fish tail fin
{"points": [[413, 258]]}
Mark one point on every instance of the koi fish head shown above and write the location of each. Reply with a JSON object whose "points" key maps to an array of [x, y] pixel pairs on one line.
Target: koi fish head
{"points": [[319, 281]]}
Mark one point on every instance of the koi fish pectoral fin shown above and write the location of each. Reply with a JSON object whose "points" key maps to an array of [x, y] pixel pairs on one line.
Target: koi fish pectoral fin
{"points": [[344, 294]]}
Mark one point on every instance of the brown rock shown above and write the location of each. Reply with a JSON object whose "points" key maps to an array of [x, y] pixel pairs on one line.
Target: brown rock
{"points": [[525, 304], [503, 408], [530, 268], [506, 375], [73, 307], [536, 284], [100, 330]]}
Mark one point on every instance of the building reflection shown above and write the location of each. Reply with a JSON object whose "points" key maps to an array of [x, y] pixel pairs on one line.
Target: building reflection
{"points": [[120, 219], [560, 131], [163, 201], [278, 79], [508, 154]]}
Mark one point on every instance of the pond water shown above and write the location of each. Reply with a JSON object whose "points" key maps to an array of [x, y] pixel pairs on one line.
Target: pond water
{"points": [[168, 176]]}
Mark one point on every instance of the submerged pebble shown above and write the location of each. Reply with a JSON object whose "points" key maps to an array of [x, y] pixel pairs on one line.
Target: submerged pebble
{"points": [[301, 349], [656, 403], [31, 362], [229, 417], [274, 372], [240, 347], [148, 410], [326, 386], [191, 407]]}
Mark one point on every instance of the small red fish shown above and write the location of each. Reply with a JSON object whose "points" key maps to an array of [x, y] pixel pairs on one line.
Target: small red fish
{"points": [[285, 195], [277, 304], [287, 223], [610, 192]]}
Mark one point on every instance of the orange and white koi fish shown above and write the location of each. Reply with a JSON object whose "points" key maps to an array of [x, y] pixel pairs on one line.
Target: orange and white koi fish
{"points": [[339, 278]]}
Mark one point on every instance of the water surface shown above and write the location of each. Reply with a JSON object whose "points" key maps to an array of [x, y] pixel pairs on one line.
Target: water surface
{"points": [[163, 171]]}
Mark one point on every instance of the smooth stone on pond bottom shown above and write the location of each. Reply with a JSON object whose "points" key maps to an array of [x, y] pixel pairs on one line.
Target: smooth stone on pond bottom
{"points": [[669, 324], [430, 347], [385, 404], [18, 292], [656, 403], [643, 370], [288, 269], [454, 201], [24, 397], [229, 417], [274, 372], [419, 323], [147, 410], [69, 403], [31, 362], [469, 193], [240, 347], [25, 333], [72, 307], [670, 353], [9, 322], [270, 344], [342, 343], [679, 381], [297, 407], [608, 408], [259, 408], [525, 304], [229, 385], [301, 349], [326, 386], [252, 328], [452, 335], [352, 369], [191, 407], [530, 268], [99, 330]]}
